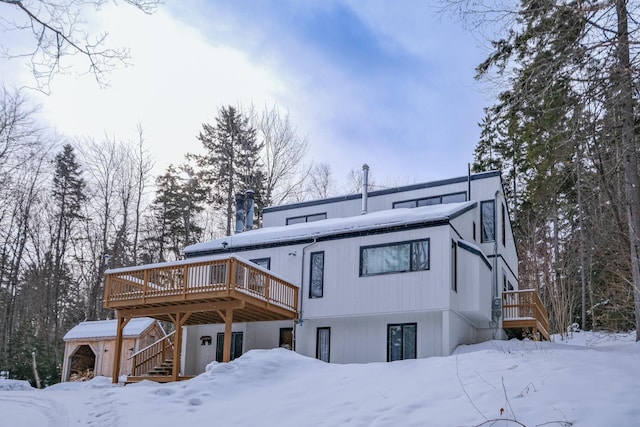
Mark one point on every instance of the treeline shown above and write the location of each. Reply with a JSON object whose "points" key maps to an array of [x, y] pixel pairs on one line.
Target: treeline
{"points": [[69, 209], [564, 131]]}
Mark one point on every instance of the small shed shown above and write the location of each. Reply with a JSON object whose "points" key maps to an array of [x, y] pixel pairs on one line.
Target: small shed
{"points": [[90, 346]]}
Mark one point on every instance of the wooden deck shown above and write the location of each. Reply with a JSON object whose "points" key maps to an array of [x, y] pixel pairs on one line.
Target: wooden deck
{"points": [[200, 291], [523, 314]]}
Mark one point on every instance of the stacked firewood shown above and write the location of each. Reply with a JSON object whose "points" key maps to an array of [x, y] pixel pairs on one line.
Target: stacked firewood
{"points": [[85, 375]]}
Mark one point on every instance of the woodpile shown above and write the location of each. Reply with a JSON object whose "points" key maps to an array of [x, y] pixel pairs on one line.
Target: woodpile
{"points": [[85, 375]]}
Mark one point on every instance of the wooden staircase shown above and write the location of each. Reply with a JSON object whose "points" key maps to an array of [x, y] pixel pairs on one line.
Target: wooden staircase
{"points": [[153, 363], [165, 369]]}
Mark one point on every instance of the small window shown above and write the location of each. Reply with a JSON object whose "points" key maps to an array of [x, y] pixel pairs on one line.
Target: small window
{"points": [[454, 266], [433, 200], [316, 275], [394, 258], [454, 198], [262, 262], [401, 341], [306, 218], [236, 345], [503, 226], [296, 220], [474, 231], [409, 204], [487, 221], [323, 343]]}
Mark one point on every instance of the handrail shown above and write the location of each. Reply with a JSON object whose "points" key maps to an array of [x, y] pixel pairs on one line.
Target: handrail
{"points": [[152, 344], [224, 276], [525, 304], [152, 355]]}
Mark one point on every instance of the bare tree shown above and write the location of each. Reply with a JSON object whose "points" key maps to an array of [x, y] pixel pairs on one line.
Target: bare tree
{"points": [[58, 32], [320, 183], [282, 155]]}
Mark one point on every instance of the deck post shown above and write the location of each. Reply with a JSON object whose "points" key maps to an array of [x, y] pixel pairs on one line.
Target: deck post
{"points": [[177, 347], [228, 323], [122, 322]]}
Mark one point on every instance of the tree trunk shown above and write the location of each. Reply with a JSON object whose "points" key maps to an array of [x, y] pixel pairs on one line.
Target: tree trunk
{"points": [[624, 100]]}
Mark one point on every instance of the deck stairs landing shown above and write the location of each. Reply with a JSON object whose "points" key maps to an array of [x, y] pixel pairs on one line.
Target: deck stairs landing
{"points": [[524, 315]]}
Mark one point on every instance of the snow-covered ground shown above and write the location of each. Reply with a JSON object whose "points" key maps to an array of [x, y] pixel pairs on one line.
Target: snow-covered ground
{"points": [[591, 379]]}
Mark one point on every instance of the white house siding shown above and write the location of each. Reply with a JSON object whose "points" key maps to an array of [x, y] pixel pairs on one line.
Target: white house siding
{"points": [[256, 335], [363, 339], [473, 297], [456, 331], [483, 187], [348, 294]]}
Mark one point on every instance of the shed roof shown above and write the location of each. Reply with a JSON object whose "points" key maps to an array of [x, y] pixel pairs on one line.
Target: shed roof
{"points": [[108, 328]]}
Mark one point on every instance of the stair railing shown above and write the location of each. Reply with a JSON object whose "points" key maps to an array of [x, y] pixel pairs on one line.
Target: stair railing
{"points": [[152, 355]]}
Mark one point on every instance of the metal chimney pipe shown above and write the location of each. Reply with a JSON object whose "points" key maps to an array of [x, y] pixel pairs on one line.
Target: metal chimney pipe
{"points": [[365, 187], [239, 213], [250, 208]]}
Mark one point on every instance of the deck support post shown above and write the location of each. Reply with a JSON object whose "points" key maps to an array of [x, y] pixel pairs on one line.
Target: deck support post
{"points": [[228, 323], [179, 320], [122, 322]]}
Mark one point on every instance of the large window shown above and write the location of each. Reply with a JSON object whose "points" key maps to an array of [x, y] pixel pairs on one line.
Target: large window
{"points": [[434, 200], [316, 275], [306, 218], [487, 221], [401, 341], [236, 345], [323, 343], [394, 258]]}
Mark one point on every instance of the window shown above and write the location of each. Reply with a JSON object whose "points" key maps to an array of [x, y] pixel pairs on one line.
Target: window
{"points": [[262, 262], [487, 221], [316, 275], [286, 338], [430, 201], [306, 218], [323, 342], [394, 258], [454, 266], [474, 231], [236, 345], [503, 225], [401, 341]]}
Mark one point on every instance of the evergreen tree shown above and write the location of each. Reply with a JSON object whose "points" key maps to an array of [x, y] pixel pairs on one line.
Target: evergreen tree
{"points": [[231, 163], [562, 132], [180, 196]]}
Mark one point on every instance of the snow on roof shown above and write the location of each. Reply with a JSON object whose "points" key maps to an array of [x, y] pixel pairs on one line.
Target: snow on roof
{"points": [[107, 328], [328, 227]]}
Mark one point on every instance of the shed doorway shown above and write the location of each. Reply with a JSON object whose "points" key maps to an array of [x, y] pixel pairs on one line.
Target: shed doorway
{"points": [[83, 364]]}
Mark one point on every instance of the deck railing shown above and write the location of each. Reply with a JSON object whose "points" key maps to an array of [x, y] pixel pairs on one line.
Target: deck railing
{"points": [[523, 305], [152, 355], [183, 279]]}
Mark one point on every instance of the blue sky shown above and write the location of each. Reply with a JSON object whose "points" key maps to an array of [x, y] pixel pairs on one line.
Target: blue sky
{"points": [[386, 83]]}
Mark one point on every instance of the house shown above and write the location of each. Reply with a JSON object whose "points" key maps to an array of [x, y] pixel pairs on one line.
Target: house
{"points": [[407, 272], [90, 346]]}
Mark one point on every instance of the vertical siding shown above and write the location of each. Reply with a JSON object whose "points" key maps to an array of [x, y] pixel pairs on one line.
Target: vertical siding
{"points": [[364, 339]]}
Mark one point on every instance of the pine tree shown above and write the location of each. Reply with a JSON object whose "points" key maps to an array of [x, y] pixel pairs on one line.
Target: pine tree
{"points": [[565, 123], [231, 162], [180, 196]]}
